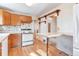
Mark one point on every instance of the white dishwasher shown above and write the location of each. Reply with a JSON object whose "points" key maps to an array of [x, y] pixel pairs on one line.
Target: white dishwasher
{"points": [[27, 39]]}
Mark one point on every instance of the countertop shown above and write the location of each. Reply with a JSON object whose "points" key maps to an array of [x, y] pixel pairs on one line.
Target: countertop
{"points": [[23, 32], [49, 35], [3, 36]]}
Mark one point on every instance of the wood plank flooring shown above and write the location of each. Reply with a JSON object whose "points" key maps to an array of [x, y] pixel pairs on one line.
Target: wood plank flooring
{"points": [[30, 51], [24, 51]]}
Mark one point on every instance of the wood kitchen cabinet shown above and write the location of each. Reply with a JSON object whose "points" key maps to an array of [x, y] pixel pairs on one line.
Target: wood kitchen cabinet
{"points": [[25, 19], [6, 18], [21, 18], [14, 40], [28, 19], [1, 18], [9, 18], [15, 19]]}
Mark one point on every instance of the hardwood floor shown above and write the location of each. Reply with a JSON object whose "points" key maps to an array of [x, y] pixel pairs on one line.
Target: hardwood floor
{"points": [[24, 51], [52, 50], [30, 51]]}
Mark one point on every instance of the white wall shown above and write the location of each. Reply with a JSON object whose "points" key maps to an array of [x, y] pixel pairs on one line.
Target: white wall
{"points": [[33, 23], [65, 18]]}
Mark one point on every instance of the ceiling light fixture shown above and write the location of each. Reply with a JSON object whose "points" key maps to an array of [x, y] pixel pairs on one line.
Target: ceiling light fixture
{"points": [[29, 4]]}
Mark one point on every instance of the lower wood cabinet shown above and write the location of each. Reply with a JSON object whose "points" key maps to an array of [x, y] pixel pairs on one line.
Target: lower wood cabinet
{"points": [[0, 49], [14, 40]]}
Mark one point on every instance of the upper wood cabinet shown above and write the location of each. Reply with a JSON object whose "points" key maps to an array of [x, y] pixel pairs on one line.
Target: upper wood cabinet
{"points": [[15, 19], [6, 18], [22, 18], [26, 19], [1, 18], [19, 19], [29, 19]]}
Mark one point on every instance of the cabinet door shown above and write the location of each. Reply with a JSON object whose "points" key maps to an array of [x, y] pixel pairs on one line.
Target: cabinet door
{"points": [[25, 19], [14, 19], [22, 18], [6, 18], [0, 49], [14, 40], [28, 19]]}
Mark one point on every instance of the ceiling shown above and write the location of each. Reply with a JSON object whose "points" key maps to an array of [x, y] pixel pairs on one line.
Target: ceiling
{"points": [[34, 10]]}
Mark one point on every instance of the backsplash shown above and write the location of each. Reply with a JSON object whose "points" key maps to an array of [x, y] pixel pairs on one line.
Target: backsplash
{"points": [[28, 27], [10, 28], [25, 28]]}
